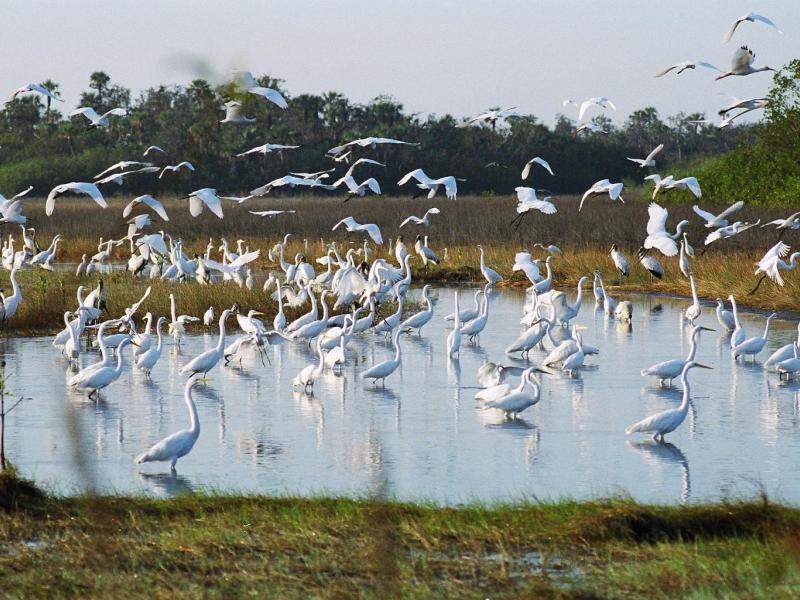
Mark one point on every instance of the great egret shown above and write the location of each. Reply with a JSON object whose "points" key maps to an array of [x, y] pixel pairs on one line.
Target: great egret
{"points": [[208, 317], [245, 81], [473, 328], [368, 142], [518, 399], [205, 197], [76, 187], [746, 104], [574, 361], [184, 164], [420, 319], [790, 222], [177, 326], [148, 360], [715, 221], [102, 377], [148, 201], [604, 186], [753, 345], [383, 369], [468, 313], [493, 116], [687, 64], [585, 105], [11, 303], [752, 18], [772, 264], [371, 229], [529, 338], [657, 236], [783, 353], [96, 120], [621, 261], [424, 220], [234, 113], [725, 317], [649, 160], [742, 64], [523, 262], [668, 370], [454, 338], [153, 149], [33, 87], [428, 183], [693, 311], [357, 189], [724, 233], [669, 420], [207, 360], [311, 373], [265, 149], [313, 329], [489, 274], [550, 248], [536, 160], [527, 202], [789, 366], [180, 443], [738, 335]]}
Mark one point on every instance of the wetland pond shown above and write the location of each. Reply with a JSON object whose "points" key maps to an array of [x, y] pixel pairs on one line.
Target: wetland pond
{"points": [[423, 437]]}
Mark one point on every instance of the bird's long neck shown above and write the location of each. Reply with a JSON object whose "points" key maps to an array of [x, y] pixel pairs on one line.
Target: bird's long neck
{"points": [[221, 340], [118, 368], [397, 347], [684, 407], [692, 349], [579, 296], [158, 331], [14, 284], [736, 313], [194, 426], [482, 261], [766, 328], [694, 291], [430, 304]]}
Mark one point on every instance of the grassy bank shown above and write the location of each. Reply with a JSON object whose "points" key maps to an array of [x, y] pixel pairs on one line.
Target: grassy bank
{"points": [[726, 268], [225, 546]]}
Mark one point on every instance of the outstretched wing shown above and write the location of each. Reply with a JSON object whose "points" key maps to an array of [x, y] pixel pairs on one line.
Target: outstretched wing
{"points": [[658, 218], [706, 216]]}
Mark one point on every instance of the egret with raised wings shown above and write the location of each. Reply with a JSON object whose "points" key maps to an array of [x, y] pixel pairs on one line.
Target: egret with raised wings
{"points": [[76, 187], [148, 201], [184, 164], [650, 159], [206, 197], [370, 228], [246, 81], [368, 142], [96, 120], [36, 88], [427, 183], [657, 236], [424, 220], [493, 116], [536, 160], [265, 149], [772, 263], [720, 220], [604, 186], [750, 17]]}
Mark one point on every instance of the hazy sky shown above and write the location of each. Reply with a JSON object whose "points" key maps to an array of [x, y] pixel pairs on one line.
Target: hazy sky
{"points": [[457, 57]]}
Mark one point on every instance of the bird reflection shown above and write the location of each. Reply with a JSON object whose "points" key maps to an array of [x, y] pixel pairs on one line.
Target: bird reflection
{"points": [[666, 453], [168, 484]]}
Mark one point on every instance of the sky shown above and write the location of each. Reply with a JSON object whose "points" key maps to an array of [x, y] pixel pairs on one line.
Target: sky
{"points": [[457, 57]]}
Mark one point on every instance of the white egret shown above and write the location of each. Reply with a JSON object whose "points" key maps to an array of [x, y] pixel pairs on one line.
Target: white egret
{"points": [[208, 316], [550, 248], [789, 366], [738, 335], [311, 373], [104, 376], [650, 159], [473, 328], [96, 120], [669, 420], [205, 197], [693, 311], [89, 189], [529, 338], [725, 317], [207, 360], [752, 18], [468, 313], [668, 370], [371, 229], [724, 233], [604, 186], [234, 113], [536, 160], [148, 359], [783, 353], [148, 201], [424, 220], [523, 262], [790, 222], [368, 142], [11, 303], [246, 81], [493, 116], [177, 326], [153, 150], [575, 360], [180, 443], [428, 183], [489, 274], [383, 369], [720, 220], [184, 164], [527, 202], [357, 189], [420, 319], [657, 236], [753, 345], [687, 64], [772, 264], [454, 338], [584, 106], [518, 399], [265, 149], [33, 87]]}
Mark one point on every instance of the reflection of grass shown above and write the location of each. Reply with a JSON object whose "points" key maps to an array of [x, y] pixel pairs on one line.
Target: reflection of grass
{"points": [[231, 546]]}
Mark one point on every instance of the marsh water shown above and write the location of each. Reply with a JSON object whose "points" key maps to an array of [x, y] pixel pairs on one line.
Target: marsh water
{"points": [[423, 436]]}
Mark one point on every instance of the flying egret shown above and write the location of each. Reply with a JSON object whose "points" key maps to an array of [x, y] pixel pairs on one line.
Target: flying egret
{"points": [[604, 186], [742, 64], [720, 220], [669, 420], [584, 106], [668, 370], [234, 113], [687, 64], [96, 120], [724, 233], [184, 164], [246, 81], [424, 220], [33, 87], [753, 345], [148, 201], [752, 18], [536, 160], [493, 116], [76, 187], [180, 443], [207, 360], [292, 182], [650, 159], [153, 149], [368, 142], [790, 222], [428, 183], [265, 149], [772, 264], [527, 202], [352, 225], [205, 197], [657, 236]]}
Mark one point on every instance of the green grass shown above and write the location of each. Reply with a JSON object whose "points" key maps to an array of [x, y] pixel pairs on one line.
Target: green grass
{"points": [[226, 546]]}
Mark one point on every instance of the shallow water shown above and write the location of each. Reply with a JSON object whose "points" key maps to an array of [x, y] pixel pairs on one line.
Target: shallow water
{"points": [[423, 437]]}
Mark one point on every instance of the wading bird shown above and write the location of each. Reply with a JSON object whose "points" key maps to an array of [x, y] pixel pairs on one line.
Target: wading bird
{"points": [[753, 345], [668, 370]]}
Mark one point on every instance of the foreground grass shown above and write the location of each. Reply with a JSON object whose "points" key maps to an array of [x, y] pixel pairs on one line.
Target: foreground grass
{"points": [[225, 546]]}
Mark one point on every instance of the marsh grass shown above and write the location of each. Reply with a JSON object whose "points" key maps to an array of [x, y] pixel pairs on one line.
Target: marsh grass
{"points": [[226, 546], [585, 238]]}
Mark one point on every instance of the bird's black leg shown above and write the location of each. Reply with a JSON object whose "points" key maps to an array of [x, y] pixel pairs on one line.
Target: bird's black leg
{"points": [[753, 291]]}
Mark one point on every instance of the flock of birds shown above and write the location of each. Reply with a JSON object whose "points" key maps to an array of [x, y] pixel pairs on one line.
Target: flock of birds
{"points": [[347, 294]]}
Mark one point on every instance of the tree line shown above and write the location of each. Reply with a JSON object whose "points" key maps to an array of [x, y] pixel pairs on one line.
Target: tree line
{"points": [[41, 146]]}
